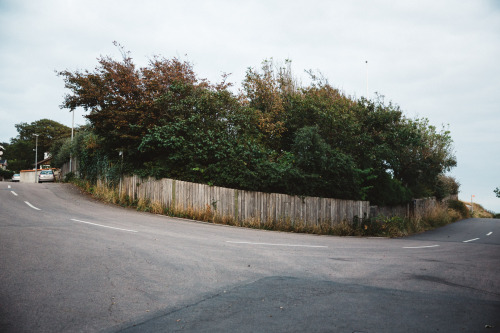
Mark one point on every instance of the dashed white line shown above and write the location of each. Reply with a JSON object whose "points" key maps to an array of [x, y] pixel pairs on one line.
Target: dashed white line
{"points": [[470, 240], [26, 202], [8, 186], [271, 244], [489, 233], [419, 247], [13, 193], [103, 226]]}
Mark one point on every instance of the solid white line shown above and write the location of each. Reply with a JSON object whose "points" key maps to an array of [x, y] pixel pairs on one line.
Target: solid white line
{"points": [[489, 233], [26, 202], [419, 247], [470, 240], [13, 193], [104, 226], [270, 244]]}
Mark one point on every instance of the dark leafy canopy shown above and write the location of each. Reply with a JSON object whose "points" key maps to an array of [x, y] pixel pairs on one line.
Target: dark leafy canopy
{"points": [[275, 136], [122, 100], [21, 154]]}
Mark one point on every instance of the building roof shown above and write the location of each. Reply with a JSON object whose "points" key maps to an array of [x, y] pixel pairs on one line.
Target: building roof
{"points": [[44, 161]]}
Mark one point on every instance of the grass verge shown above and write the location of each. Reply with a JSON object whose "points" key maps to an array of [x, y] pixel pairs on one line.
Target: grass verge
{"points": [[395, 226]]}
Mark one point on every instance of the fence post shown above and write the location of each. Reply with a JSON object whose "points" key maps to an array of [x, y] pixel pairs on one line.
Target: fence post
{"points": [[236, 205], [173, 194]]}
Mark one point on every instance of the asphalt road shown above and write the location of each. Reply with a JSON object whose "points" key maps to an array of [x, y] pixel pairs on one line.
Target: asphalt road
{"points": [[71, 264]]}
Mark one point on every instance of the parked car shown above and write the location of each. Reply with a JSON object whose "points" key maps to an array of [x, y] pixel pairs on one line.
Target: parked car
{"points": [[46, 176], [16, 177]]}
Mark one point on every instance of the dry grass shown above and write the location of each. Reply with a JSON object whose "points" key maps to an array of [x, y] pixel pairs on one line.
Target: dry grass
{"points": [[144, 205], [438, 216], [480, 212], [157, 207]]}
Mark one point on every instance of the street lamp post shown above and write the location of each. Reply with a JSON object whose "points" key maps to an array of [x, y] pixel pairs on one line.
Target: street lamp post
{"points": [[36, 156], [70, 154]]}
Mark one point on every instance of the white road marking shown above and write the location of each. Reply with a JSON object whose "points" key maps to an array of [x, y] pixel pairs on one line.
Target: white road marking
{"points": [[489, 233], [13, 193], [104, 226], [470, 240], [419, 247], [271, 244], [26, 202], [8, 186]]}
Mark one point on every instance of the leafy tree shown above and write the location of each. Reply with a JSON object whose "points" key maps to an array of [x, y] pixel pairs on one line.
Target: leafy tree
{"points": [[446, 186], [268, 92], [497, 192], [122, 99], [425, 154], [324, 171], [21, 152], [202, 137], [276, 136]]}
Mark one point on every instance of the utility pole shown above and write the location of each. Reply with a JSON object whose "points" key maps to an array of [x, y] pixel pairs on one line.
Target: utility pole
{"points": [[36, 157], [471, 204], [70, 154]]}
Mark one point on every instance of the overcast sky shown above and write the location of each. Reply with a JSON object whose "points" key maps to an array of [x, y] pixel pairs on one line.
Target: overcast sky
{"points": [[437, 59]]}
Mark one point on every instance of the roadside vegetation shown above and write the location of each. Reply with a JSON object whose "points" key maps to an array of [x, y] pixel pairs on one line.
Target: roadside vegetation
{"points": [[274, 135], [480, 212], [441, 215], [20, 151]]}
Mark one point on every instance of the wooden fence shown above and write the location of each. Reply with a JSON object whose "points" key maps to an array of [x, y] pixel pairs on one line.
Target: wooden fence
{"points": [[242, 205], [70, 167]]}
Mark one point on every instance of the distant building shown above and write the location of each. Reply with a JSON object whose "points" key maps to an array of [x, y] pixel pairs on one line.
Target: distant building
{"points": [[45, 163]]}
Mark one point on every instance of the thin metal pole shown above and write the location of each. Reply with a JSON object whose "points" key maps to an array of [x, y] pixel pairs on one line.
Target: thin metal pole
{"points": [[36, 157], [70, 154]]}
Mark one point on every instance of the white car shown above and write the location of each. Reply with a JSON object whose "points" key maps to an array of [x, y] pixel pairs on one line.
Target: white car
{"points": [[16, 177], [46, 176]]}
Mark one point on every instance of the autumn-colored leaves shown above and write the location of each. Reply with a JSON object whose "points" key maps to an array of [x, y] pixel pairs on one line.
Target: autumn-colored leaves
{"points": [[275, 135]]}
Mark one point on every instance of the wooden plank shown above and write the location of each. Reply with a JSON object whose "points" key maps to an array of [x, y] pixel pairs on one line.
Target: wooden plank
{"points": [[244, 205]]}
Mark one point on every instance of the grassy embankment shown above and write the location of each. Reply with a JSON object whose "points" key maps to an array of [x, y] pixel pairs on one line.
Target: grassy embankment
{"points": [[479, 211], [442, 214]]}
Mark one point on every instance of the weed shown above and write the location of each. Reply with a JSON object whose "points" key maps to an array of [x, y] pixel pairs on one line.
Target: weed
{"points": [[144, 205], [459, 207], [439, 215], [156, 207]]}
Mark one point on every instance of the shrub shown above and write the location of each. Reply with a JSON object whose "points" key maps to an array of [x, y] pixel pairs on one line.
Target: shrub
{"points": [[437, 217], [6, 174], [70, 176], [459, 207]]}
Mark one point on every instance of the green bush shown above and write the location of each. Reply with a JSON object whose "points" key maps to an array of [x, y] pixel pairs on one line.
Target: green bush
{"points": [[460, 207], [6, 174], [69, 177]]}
